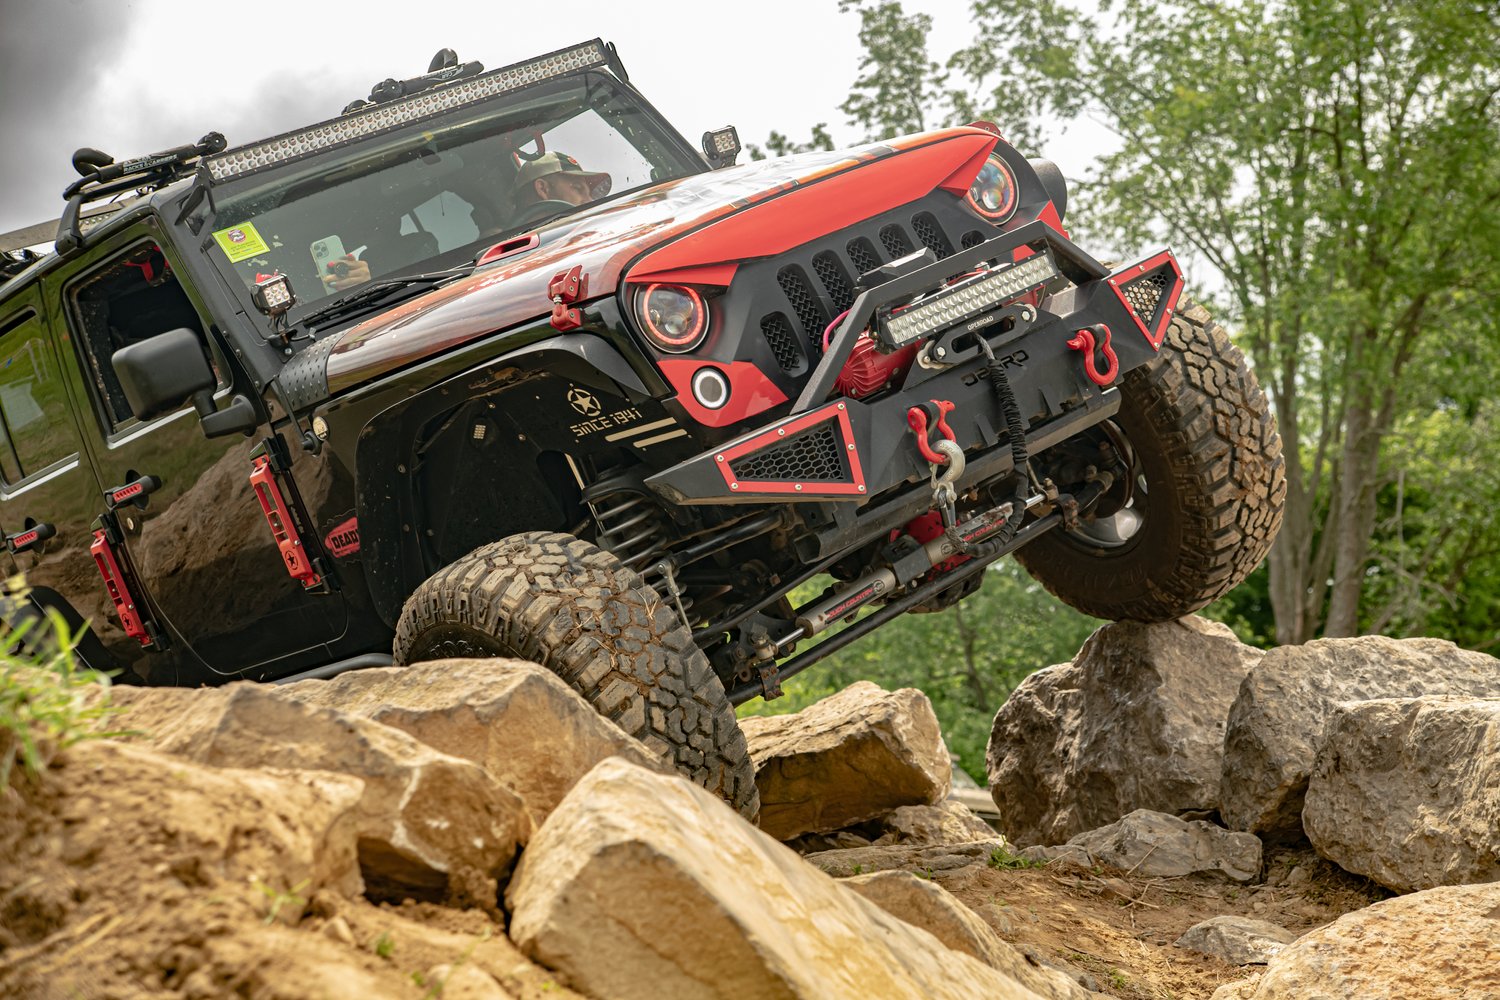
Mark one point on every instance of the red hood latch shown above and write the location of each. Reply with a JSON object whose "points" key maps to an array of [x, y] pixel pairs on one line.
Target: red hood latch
{"points": [[565, 288]]}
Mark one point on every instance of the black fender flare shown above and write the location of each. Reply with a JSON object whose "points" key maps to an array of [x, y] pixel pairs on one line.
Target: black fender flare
{"points": [[386, 500]]}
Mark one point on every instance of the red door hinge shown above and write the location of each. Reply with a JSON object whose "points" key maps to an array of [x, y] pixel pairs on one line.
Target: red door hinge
{"points": [[299, 562], [565, 288], [118, 584]]}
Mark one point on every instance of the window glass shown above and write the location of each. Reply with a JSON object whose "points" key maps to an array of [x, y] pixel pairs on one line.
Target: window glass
{"points": [[133, 298], [33, 409]]}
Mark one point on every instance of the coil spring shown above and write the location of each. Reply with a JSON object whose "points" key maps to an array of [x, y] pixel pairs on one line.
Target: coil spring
{"points": [[632, 529]]}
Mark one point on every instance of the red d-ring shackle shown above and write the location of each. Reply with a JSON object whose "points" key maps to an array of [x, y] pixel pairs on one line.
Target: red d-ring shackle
{"points": [[1086, 343]]}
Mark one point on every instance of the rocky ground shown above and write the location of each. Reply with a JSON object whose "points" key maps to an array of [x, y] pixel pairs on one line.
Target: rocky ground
{"points": [[1176, 816]]}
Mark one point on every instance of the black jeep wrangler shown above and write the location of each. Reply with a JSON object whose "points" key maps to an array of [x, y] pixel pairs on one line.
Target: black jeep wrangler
{"points": [[497, 363]]}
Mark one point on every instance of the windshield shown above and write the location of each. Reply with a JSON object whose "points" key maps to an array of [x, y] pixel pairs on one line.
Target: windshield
{"points": [[433, 195]]}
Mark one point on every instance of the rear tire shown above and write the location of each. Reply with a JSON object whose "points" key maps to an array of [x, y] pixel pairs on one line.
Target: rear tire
{"points": [[1209, 483], [576, 610]]}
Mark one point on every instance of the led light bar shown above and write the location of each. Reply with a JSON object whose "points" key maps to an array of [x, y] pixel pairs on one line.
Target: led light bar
{"points": [[384, 117], [963, 301]]}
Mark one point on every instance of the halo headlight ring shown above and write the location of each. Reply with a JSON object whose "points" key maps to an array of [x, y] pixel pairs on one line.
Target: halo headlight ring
{"points": [[674, 317], [994, 194]]}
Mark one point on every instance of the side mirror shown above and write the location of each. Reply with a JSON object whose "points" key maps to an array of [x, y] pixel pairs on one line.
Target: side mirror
{"points": [[160, 374]]}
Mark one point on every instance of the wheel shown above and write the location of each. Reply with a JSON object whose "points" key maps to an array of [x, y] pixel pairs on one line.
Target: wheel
{"points": [[576, 610], [1204, 496]]}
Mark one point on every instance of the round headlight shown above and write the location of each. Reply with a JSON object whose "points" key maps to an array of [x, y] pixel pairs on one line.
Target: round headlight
{"points": [[673, 316], [993, 193]]}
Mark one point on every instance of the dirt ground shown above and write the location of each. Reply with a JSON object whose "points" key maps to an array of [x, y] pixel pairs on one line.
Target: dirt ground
{"points": [[1119, 928]]}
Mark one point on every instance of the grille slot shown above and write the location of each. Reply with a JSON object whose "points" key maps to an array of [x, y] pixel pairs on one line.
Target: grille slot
{"points": [[835, 281], [862, 255], [783, 341], [931, 234], [895, 241], [1145, 294], [811, 456], [972, 239], [804, 303]]}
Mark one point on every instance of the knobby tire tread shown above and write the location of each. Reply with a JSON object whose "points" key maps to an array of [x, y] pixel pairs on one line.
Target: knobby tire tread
{"points": [[562, 602]]}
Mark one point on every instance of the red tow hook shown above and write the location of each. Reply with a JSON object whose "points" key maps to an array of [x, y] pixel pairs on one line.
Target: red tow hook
{"points": [[934, 412], [1086, 343]]}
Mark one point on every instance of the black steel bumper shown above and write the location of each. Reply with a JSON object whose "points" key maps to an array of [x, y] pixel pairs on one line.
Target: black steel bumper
{"points": [[863, 451]]}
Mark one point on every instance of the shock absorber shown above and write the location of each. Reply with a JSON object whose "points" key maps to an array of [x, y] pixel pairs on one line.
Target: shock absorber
{"points": [[633, 529]]}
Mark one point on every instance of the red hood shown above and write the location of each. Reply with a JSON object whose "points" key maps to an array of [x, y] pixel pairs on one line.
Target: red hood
{"points": [[756, 210]]}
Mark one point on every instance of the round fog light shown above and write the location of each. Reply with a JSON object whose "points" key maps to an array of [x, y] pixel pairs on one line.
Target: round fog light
{"points": [[710, 388]]}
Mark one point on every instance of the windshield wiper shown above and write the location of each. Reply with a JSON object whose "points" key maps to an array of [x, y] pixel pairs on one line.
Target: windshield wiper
{"points": [[377, 293]]}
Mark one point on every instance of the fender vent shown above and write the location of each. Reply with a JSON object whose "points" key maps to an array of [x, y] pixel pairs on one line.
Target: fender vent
{"points": [[804, 302], [811, 456], [931, 235], [783, 341]]}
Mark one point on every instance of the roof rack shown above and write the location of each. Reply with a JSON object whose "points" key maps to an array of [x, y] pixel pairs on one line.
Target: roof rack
{"points": [[102, 177]]}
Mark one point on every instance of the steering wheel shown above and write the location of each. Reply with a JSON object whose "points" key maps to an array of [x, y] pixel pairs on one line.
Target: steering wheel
{"points": [[544, 208]]}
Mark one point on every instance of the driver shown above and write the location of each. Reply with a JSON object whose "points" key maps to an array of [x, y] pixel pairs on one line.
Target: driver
{"points": [[556, 177]]}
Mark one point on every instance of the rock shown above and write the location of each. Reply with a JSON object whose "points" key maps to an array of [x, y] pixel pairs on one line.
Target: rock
{"points": [[851, 757], [337, 929], [1240, 989], [925, 904], [1438, 943], [516, 720], [1136, 721], [1069, 853], [931, 860], [1407, 792], [631, 856], [1236, 940], [1279, 715], [1152, 844], [948, 822], [429, 826], [463, 982]]}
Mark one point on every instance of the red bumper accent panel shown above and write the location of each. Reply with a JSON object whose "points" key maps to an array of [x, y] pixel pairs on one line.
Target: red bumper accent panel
{"points": [[283, 528], [835, 413], [1160, 268], [118, 590]]}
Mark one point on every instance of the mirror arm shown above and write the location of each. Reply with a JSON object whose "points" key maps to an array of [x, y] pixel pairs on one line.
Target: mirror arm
{"points": [[239, 415]]}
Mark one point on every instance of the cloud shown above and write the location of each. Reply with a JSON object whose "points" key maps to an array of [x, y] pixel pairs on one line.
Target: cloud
{"points": [[51, 55]]}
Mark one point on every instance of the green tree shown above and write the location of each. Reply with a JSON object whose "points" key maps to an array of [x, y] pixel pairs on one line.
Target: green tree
{"points": [[1329, 160]]}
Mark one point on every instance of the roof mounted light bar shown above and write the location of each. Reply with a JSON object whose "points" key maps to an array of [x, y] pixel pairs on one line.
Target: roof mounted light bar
{"points": [[384, 117]]}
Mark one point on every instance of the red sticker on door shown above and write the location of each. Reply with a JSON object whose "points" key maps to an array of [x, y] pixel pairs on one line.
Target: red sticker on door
{"points": [[343, 539]]}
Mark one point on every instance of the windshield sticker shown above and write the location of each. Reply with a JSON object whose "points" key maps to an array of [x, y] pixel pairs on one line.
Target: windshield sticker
{"points": [[240, 242]]}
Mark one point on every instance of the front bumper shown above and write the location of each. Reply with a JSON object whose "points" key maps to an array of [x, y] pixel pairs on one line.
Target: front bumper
{"points": [[863, 452]]}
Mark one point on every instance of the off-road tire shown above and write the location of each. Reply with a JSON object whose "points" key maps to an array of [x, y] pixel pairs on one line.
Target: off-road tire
{"points": [[576, 610], [1206, 443]]}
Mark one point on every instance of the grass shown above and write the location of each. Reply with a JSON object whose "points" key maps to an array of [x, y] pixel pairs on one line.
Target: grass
{"points": [[44, 695], [1001, 859], [277, 898], [385, 945]]}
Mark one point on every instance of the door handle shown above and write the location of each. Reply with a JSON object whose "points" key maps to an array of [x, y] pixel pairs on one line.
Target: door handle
{"points": [[29, 538], [136, 491]]}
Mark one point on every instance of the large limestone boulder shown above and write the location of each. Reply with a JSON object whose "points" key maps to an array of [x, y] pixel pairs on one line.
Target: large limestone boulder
{"points": [[853, 756], [640, 885], [1279, 714], [1407, 792], [517, 720], [1153, 844], [429, 825], [925, 904], [1136, 721], [1441, 943]]}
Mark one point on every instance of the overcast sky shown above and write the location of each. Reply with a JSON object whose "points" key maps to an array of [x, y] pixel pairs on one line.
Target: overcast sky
{"points": [[134, 76]]}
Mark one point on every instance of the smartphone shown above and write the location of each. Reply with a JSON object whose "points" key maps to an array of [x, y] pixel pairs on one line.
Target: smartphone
{"points": [[325, 251]]}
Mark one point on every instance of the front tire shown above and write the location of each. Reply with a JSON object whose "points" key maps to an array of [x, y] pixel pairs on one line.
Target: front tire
{"points": [[576, 610], [1208, 483]]}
